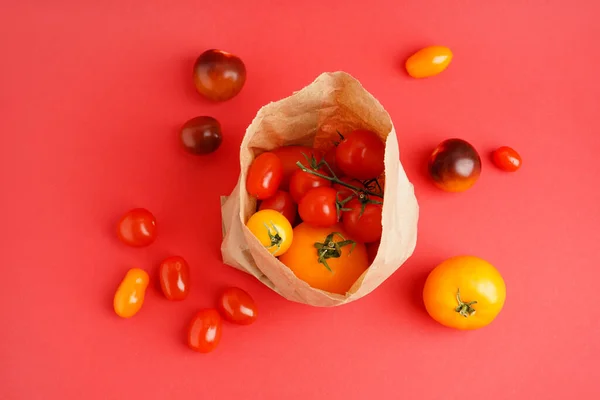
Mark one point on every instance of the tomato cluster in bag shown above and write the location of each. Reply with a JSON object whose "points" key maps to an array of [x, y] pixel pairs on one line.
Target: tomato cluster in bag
{"points": [[328, 205]]}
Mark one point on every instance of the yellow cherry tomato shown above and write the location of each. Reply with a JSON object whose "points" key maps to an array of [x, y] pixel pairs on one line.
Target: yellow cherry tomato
{"points": [[130, 294], [272, 230], [464, 292], [428, 61]]}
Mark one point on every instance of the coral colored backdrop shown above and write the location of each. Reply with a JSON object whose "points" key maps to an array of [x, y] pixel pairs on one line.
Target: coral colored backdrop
{"points": [[91, 97]]}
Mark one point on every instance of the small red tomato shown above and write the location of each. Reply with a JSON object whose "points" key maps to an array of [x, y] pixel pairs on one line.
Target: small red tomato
{"points": [[281, 201], [428, 61], [289, 156], [204, 332], [264, 176], [372, 249], [360, 155], [364, 225], [174, 273], [137, 228], [507, 159], [318, 207], [345, 192], [302, 182], [237, 306]]}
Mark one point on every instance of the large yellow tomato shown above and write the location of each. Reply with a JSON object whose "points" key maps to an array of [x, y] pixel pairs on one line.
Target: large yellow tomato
{"points": [[271, 229], [326, 258], [464, 292]]}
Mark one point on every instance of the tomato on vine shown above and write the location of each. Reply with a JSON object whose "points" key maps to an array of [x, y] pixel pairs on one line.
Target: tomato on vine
{"points": [[360, 155], [363, 219], [264, 176], [319, 207], [302, 181], [289, 156]]}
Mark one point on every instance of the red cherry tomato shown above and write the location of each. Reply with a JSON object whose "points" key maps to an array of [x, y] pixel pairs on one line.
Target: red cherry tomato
{"points": [[204, 332], [360, 155], [264, 176], [372, 249], [289, 156], [345, 192], [137, 228], [330, 159], [365, 228], [281, 201], [237, 306], [507, 159], [174, 273], [302, 182], [318, 207]]}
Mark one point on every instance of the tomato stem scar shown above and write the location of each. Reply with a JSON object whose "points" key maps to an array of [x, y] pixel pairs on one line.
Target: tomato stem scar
{"points": [[463, 308]]}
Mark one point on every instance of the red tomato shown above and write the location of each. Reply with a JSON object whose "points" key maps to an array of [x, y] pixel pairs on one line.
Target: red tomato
{"points": [[264, 176], [343, 191], [372, 249], [360, 155], [318, 207], [507, 159], [330, 159], [137, 228], [302, 182], [204, 332], [281, 201], [289, 156], [364, 228], [174, 273], [237, 306]]}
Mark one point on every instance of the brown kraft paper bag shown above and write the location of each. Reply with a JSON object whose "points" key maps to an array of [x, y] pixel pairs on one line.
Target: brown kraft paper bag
{"points": [[334, 101]]}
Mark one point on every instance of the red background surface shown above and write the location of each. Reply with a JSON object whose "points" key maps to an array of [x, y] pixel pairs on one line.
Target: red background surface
{"points": [[92, 95]]}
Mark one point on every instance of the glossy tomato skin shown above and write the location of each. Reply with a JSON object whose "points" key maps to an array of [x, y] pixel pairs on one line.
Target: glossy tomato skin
{"points": [[272, 230], [318, 207], [237, 306], [428, 61], [303, 259], [219, 75], [264, 176], [454, 165], [507, 159], [367, 227], [137, 228], [130, 294], [360, 155], [466, 281], [301, 182], [174, 274], [204, 332], [201, 135], [289, 156], [281, 201]]}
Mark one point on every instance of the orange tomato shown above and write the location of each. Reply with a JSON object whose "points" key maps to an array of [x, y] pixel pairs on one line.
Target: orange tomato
{"points": [[129, 297], [325, 258], [428, 61], [464, 292]]}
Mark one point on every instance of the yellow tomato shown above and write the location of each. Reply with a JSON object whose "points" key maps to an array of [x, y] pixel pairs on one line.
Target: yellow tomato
{"points": [[271, 229], [326, 258], [131, 292], [464, 292], [428, 61]]}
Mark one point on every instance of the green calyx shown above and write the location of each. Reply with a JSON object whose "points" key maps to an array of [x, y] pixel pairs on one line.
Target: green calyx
{"points": [[332, 249], [275, 237], [464, 309]]}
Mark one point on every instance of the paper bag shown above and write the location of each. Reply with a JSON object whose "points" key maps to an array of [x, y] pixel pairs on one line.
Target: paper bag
{"points": [[312, 116]]}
